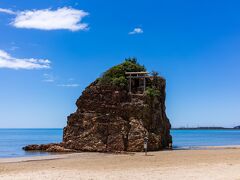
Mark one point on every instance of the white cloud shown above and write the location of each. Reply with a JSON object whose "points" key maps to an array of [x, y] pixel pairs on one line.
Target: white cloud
{"points": [[136, 31], [71, 79], [7, 11], [69, 85], [48, 19], [7, 61], [13, 48], [48, 78]]}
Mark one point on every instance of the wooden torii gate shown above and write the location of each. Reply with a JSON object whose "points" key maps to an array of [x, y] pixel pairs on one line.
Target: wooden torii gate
{"points": [[138, 75]]}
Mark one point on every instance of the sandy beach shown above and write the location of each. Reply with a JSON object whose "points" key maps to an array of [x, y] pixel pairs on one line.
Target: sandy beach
{"points": [[215, 163]]}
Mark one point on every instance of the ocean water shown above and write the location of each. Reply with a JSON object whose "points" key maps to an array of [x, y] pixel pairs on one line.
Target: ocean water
{"points": [[12, 140], [191, 139]]}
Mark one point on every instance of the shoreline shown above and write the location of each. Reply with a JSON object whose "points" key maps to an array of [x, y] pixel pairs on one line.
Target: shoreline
{"points": [[207, 147], [221, 163], [54, 156]]}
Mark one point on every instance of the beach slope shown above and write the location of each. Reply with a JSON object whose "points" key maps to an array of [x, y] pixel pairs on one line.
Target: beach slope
{"points": [[222, 163]]}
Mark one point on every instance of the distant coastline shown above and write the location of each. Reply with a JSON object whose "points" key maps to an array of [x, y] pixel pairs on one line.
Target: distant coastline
{"points": [[206, 128]]}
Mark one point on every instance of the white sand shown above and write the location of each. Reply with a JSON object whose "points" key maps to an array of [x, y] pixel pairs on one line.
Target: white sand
{"points": [[179, 164]]}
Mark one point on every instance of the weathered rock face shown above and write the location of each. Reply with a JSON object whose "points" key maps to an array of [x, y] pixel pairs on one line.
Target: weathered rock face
{"points": [[109, 119], [53, 147]]}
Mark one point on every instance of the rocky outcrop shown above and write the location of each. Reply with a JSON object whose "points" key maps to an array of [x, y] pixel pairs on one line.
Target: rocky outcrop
{"points": [[110, 119], [53, 147]]}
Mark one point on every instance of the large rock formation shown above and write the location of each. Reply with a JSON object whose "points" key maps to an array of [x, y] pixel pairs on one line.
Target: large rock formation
{"points": [[110, 119]]}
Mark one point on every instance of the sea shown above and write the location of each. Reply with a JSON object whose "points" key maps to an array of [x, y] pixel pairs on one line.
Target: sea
{"points": [[12, 140]]}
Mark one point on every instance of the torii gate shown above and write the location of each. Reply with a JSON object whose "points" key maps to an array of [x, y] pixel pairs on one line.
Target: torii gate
{"points": [[138, 75]]}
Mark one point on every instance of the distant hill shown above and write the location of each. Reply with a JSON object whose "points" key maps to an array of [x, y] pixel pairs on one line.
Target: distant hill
{"points": [[200, 128], [204, 128]]}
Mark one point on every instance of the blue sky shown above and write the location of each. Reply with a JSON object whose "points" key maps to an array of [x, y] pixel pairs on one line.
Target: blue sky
{"points": [[50, 50]]}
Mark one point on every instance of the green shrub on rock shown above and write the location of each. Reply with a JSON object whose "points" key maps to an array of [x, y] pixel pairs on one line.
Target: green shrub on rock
{"points": [[116, 75], [152, 92], [121, 81]]}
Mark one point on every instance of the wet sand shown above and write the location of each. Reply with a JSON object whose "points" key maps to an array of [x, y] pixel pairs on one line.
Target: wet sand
{"points": [[212, 163]]}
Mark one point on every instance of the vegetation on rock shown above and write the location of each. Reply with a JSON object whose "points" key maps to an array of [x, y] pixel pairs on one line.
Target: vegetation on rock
{"points": [[116, 75], [152, 92]]}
